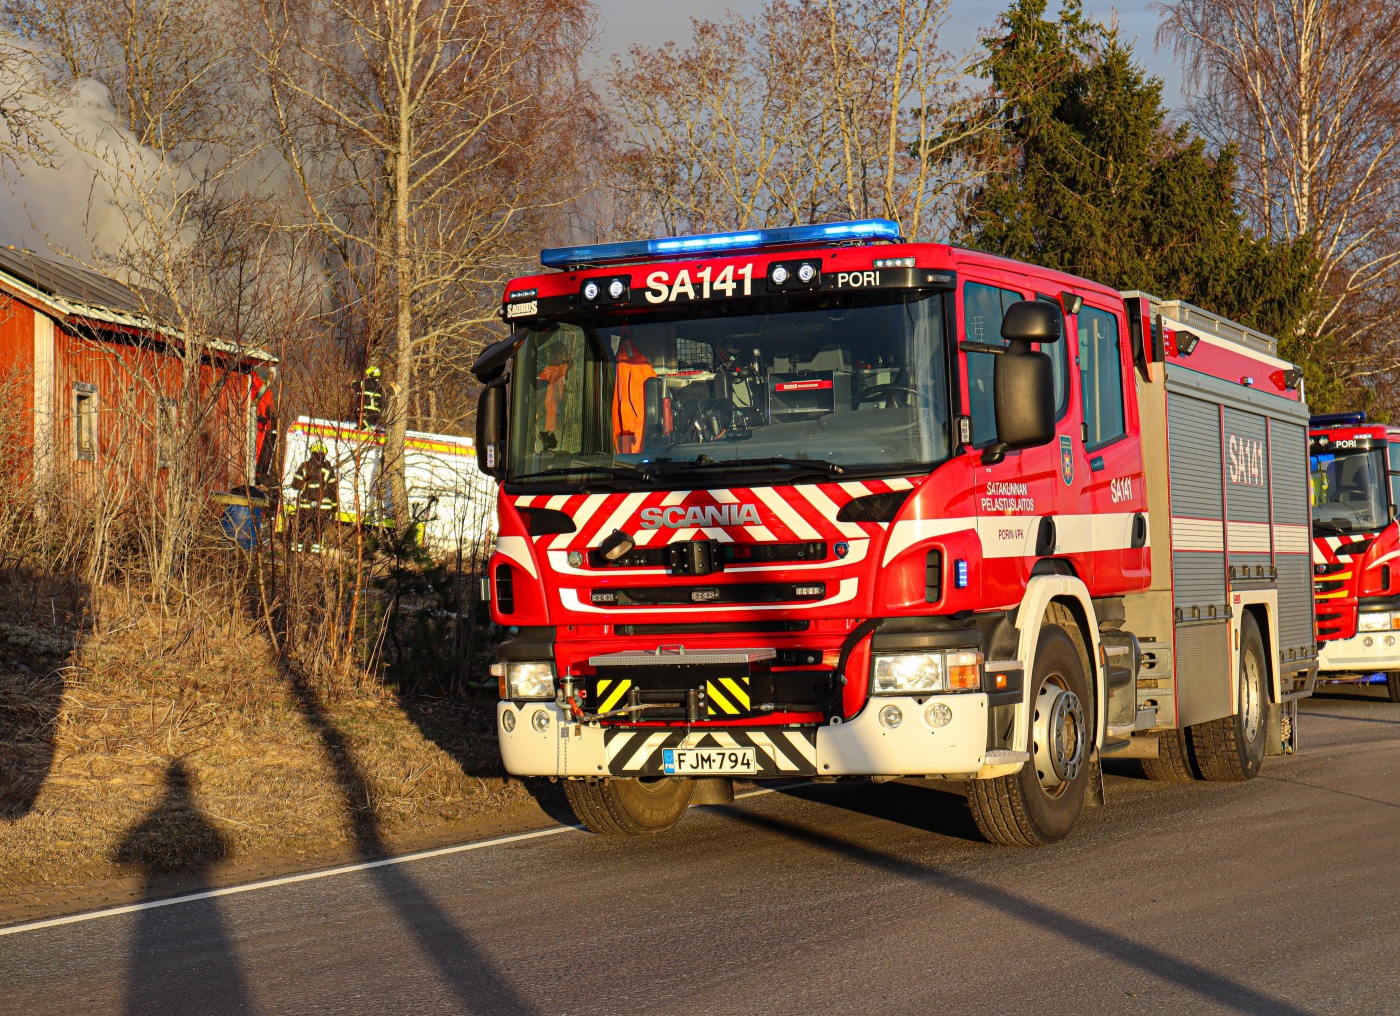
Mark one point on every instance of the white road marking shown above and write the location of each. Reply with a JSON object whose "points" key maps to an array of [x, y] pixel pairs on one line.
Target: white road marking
{"points": [[311, 876]]}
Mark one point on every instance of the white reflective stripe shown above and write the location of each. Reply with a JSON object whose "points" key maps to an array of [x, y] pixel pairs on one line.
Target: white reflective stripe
{"points": [[622, 740], [1318, 556], [640, 756], [905, 534], [674, 498], [818, 500], [1292, 539], [517, 549], [899, 484], [767, 747], [1016, 535], [855, 488], [645, 536], [1074, 534], [572, 601], [807, 749], [1197, 534], [724, 740], [786, 513], [724, 496], [1249, 537], [524, 502], [681, 535], [761, 533], [1008, 536], [590, 505], [558, 501], [624, 511]]}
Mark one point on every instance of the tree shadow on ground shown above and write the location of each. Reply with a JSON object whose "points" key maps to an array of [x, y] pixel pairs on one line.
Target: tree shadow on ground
{"points": [[41, 627], [928, 807], [1079, 933], [181, 958], [463, 966]]}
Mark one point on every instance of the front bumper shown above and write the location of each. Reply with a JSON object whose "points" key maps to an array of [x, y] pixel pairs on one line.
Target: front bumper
{"points": [[861, 746], [1367, 652]]}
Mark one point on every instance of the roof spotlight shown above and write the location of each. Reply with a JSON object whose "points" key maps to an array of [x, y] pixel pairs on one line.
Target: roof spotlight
{"points": [[780, 275], [806, 273], [616, 288], [591, 291]]}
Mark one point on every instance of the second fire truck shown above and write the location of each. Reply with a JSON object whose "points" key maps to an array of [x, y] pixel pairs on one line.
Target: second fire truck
{"points": [[817, 503], [1356, 548]]}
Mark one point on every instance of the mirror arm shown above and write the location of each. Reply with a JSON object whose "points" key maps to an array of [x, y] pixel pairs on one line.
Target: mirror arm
{"points": [[994, 453]]}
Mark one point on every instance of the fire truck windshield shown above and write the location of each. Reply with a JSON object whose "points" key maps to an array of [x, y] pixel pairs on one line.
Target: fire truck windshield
{"points": [[1349, 491], [855, 384]]}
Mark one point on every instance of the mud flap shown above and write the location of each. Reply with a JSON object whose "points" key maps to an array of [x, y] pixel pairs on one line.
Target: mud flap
{"points": [[1093, 792]]}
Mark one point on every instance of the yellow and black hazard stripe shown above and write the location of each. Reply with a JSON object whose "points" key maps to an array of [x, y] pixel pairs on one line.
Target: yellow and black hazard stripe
{"points": [[727, 697], [612, 693]]}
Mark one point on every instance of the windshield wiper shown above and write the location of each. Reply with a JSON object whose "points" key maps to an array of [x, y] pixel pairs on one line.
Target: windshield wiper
{"points": [[620, 472], [819, 466]]}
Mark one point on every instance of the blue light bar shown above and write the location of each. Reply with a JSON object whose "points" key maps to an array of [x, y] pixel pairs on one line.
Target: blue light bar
{"points": [[1337, 420], [712, 243]]}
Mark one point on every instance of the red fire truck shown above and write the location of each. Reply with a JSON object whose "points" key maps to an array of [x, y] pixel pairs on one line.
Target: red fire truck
{"points": [[817, 503], [1356, 543]]}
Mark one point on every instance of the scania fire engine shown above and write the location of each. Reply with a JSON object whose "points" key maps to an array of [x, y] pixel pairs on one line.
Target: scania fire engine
{"points": [[816, 503], [1356, 548]]}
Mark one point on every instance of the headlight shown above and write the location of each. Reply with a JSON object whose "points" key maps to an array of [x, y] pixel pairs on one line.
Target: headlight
{"points": [[926, 673], [529, 680], [1382, 621]]}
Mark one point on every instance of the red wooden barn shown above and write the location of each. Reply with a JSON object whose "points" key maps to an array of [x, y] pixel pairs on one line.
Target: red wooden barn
{"points": [[92, 386]]}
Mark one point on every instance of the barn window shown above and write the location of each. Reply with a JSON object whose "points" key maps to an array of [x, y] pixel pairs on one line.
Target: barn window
{"points": [[167, 426], [85, 421]]}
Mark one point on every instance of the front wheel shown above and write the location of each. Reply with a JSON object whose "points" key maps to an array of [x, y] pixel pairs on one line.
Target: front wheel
{"points": [[629, 807], [1392, 685], [1231, 748], [1041, 803]]}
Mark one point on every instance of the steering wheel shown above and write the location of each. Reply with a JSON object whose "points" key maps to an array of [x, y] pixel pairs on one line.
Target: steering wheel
{"points": [[899, 395]]}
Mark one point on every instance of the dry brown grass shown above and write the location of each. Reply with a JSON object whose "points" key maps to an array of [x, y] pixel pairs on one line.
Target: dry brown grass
{"points": [[91, 737]]}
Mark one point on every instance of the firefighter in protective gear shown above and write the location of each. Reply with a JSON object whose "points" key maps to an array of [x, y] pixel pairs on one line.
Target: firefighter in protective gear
{"points": [[317, 494], [371, 393]]}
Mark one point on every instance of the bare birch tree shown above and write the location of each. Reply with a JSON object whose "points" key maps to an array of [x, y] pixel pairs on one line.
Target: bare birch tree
{"points": [[426, 138], [1309, 93], [812, 110]]}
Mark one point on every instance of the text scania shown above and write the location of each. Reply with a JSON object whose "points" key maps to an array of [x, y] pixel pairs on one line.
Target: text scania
{"points": [[700, 517], [1008, 497]]}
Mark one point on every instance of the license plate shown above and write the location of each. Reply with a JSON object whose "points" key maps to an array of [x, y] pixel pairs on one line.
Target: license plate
{"points": [[708, 761]]}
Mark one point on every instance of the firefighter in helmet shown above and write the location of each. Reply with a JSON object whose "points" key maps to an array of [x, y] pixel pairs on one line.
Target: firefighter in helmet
{"points": [[317, 494], [371, 394]]}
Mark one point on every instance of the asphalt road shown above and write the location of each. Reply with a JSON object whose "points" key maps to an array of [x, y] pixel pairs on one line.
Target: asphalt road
{"points": [[1281, 896]]}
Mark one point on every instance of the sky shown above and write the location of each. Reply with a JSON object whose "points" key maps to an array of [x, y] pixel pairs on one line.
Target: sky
{"points": [[651, 22]]}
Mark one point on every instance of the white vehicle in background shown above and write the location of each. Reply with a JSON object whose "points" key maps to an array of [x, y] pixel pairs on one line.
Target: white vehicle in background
{"points": [[447, 492]]}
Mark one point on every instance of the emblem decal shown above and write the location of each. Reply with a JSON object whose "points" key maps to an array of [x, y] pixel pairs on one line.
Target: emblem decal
{"points": [[842, 549], [1066, 459]]}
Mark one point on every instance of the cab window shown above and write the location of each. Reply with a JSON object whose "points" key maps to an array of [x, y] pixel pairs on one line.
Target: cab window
{"points": [[983, 308], [1101, 376]]}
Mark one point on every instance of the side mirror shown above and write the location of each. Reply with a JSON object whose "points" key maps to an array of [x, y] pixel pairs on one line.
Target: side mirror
{"points": [[1023, 390], [1031, 321], [491, 431]]}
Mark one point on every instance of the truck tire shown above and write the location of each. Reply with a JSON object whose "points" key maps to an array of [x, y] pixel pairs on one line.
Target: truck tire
{"points": [[1392, 685], [1231, 748], [1041, 803], [1173, 762], [629, 807]]}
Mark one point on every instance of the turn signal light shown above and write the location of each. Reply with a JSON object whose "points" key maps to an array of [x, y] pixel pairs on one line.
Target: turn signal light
{"points": [[964, 671]]}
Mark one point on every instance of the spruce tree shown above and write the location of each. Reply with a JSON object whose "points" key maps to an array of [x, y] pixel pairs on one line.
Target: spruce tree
{"points": [[1086, 174]]}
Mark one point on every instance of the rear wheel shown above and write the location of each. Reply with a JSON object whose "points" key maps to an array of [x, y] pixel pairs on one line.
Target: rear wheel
{"points": [[1173, 761], [1231, 748], [1041, 803], [1392, 685], [629, 807]]}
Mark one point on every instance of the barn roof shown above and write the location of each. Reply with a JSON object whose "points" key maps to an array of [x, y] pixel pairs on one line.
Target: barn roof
{"points": [[78, 292]]}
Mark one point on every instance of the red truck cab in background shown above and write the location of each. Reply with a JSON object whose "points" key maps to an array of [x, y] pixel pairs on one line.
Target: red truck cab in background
{"points": [[818, 503], [1356, 548]]}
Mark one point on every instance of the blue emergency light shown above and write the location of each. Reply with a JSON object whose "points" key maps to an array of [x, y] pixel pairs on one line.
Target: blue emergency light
{"points": [[714, 243], [1338, 420]]}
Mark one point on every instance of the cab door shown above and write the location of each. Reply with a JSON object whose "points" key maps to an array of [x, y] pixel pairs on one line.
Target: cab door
{"points": [[1117, 491]]}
